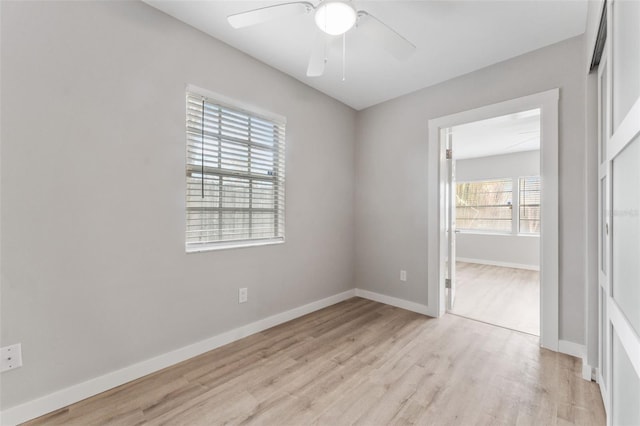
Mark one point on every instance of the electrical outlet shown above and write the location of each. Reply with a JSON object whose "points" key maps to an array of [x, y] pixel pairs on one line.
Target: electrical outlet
{"points": [[11, 357], [403, 275], [243, 295]]}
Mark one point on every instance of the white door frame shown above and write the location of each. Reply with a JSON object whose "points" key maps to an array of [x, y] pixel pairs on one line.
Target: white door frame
{"points": [[548, 104]]}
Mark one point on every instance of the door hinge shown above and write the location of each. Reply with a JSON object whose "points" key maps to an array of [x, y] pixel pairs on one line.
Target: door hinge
{"points": [[447, 283], [449, 154]]}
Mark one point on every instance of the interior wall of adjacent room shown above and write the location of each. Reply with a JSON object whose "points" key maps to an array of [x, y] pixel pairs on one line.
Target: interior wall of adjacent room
{"points": [[485, 247], [94, 271], [391, 173]]}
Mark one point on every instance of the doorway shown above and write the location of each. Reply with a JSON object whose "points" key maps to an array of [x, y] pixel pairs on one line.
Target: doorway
{"points": [[440, 173], [493, 221]]}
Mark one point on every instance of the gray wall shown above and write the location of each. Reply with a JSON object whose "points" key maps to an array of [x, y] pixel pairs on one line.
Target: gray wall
{"points": [[391, 173], [520, 250], [517, 251], [516, 164], [94, 272]]}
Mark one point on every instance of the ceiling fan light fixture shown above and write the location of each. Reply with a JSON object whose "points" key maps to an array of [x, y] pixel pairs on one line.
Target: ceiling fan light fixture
{"points": [[335, 17]]}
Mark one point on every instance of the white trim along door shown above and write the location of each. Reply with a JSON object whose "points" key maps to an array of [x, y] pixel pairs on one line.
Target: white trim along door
{"points": [[437, 250]]}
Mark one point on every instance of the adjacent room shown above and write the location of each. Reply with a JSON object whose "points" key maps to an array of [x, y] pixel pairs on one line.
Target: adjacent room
{"points": [[325, 212], [497, 221]]}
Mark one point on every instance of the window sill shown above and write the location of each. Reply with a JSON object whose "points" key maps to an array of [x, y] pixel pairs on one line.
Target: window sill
{"points": [[232, 245], [498, 234], [473, 232]]}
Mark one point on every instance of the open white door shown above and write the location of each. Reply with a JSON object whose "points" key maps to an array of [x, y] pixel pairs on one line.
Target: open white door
{"points": [[451, 223]]}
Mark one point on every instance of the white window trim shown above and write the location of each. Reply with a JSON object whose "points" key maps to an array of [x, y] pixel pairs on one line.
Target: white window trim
{"points": [[489, 231], [234, 245], [252, 110], [515, 215], [516, 206], [234, 104]]}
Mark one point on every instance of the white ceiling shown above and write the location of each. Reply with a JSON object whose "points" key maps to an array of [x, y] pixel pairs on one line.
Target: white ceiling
{"points": [[452, 38], [496, 136]]}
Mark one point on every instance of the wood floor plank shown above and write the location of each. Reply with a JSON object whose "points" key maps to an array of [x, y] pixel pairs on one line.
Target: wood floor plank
{"points": [[357, 362], [508, 297]]}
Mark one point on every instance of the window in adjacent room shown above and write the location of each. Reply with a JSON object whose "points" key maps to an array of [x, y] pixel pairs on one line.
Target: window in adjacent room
{"points": [[484, 205], [487, 206], [529, 220], [235, 175]]}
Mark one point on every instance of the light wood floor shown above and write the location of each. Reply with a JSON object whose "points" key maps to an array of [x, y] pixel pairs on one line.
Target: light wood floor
{"points": [[507, 297], [358, 362]]}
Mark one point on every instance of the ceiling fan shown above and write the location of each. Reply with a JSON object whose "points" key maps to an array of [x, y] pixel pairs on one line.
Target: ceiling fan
{"points": [[333, 18]]}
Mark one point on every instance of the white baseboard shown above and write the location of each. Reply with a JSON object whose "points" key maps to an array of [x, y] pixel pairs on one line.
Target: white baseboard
{"points": [[579, 351], [503, 264], [393, 301], [80, 391], [587, 371], [573, 349]]}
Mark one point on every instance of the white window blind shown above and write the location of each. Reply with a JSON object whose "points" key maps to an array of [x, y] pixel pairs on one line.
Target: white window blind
{"points": [[484, 205], [529, 205], [235, 176]]}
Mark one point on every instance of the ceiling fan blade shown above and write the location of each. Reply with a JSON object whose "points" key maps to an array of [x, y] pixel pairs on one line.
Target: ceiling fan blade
{"points": [[318, 57], [264, 14], [386, 36]]}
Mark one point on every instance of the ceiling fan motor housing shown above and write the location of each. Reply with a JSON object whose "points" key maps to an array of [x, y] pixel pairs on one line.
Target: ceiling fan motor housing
{"points": [[335, 17]]}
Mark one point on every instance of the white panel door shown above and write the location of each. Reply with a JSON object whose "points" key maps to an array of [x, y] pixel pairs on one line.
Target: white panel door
{"points": [[620, 188]]}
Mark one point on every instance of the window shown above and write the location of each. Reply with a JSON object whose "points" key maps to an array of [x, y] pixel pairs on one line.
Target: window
{"points": [[235, 176], [529, 221], [484, 205], [487, 205]]}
